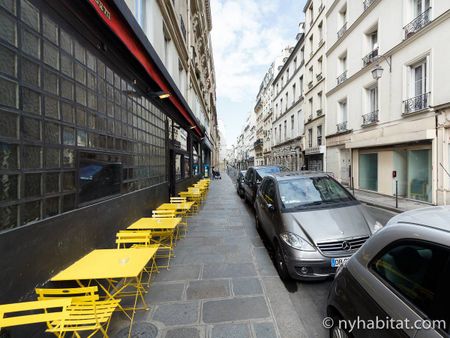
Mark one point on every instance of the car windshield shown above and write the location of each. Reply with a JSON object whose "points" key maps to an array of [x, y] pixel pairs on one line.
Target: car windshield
{"points": [[308, 191]]}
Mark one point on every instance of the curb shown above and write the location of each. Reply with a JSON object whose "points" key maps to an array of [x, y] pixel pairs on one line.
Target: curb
{"points": [[385, 207]]}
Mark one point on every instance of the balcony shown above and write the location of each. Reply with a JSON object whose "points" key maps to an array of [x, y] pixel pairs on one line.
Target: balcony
{"points": [[319, 140], [258, 143], [310, 84], [367, 3], [321, 7], [418, 23], [319, 76], [369, 58], [370, 118], [341, 127], [417, 103], [342, 31], [341, 78], [310, 117], [319, 112]]}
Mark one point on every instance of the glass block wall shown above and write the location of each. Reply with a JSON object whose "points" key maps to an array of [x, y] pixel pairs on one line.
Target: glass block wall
{"points": [[59, 103]]}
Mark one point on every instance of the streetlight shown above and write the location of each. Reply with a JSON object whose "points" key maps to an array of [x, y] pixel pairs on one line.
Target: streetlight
{"points": [[377, 72]]}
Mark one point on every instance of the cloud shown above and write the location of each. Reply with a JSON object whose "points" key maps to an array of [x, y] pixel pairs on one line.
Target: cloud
{"points": [[246, 37]]}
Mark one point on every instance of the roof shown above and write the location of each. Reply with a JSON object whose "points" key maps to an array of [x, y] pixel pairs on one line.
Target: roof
{"points": [[437, 217], [289, 175]]}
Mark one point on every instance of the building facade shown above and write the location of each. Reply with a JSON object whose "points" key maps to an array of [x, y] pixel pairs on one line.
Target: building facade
{"points": [[313, 83], [288, 117], [387, 101], [94, 132]]}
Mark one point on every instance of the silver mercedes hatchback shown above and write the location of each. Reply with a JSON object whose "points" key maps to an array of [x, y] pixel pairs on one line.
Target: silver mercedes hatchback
{"points": [[313, 223]]}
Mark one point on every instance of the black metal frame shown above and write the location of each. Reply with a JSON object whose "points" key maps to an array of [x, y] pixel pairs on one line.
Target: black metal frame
{"points": [[418, 23], [417, 103]]}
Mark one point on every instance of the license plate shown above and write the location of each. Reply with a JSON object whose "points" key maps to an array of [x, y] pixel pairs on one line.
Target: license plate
{"points": [[336, 262]]}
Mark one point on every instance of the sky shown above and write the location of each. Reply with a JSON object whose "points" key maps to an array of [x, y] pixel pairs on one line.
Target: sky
{"points": [[247, 35]]}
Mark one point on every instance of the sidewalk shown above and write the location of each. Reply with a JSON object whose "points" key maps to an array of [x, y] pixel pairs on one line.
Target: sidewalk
{"points": [[221, 283], [388, 202]]}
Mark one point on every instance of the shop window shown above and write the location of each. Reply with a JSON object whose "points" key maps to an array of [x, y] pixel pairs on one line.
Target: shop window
{"points": [[98, 178], [419, 174], [187, 167], [368, 171], [178, 172]]}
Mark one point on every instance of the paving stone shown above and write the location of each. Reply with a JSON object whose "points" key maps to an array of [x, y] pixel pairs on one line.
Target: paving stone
{"points": [[179, 272], [165, 292], [230, 331], [228, 270], [204, 289], [264, 330], [177, 313], [246, 286], [183, 332], [144, 330], [234, 309], [264, 263]]}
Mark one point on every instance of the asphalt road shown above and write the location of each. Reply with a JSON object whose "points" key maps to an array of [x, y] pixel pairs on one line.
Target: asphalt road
{"points": [[310, 299]]}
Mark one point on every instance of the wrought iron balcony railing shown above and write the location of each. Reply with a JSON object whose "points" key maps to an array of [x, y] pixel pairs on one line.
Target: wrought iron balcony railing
{"points": [[369, 58], [319, 140], [319, 112], [341, 78], [418, 23], [258, 143], [319, 76], [310, 117], [341, 127], [370, 118], [417, 103], [367, 3], [310, 84], [321, 7], [342, 31]]}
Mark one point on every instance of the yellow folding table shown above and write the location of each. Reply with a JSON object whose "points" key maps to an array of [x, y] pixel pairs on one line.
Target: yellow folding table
{"points": [[181, 210], [112, 265], [162, 228]]}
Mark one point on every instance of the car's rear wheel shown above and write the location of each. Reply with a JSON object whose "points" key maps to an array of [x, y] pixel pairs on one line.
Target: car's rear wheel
{"points": [[336, 331], [280, 263]]}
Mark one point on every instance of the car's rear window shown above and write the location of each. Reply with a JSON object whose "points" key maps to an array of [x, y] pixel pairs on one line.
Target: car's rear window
{"points": [[269, 170], [309, 191]]}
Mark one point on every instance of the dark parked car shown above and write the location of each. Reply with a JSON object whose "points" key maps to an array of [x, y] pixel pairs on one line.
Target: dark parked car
{"points": [[401, 273], [239, 181], [253, 178], [313, 223]]}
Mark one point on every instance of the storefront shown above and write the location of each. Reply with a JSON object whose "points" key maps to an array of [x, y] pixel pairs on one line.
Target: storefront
{"points": [[406, 168], [314, 158], [86, 146]]}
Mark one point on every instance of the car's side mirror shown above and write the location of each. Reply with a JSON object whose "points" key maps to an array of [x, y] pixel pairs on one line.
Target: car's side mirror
{"points": [[271, 207]]}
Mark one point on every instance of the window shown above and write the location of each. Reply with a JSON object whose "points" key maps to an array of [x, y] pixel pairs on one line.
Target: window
{"points": [[319, 64], [301, 85], [285, 130], [276, 109], [311, 43], [281, 106], [319, 99], [295, 63], [320, 26], [343, 63], [319, 135], [279, 135], [311, 106], [311, 75], [287, 75], [310, 136], [99, 176], [373, 40], [269, 192], [343, 111], [292, 124], [293, 93], [287, 100], [178, 171], [420, 6], [140, 12], [419, 78], [372, 95], [418, 272]]}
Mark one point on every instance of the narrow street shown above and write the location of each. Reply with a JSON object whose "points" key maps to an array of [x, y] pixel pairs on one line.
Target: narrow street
{"points": [[222, 282]]}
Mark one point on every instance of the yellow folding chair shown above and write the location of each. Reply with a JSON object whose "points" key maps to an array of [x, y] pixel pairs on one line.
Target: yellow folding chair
{"points": [[86, 312], [137, 239], [165, 238], [176, 200], [41, 311]]}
